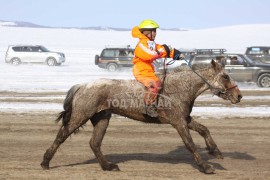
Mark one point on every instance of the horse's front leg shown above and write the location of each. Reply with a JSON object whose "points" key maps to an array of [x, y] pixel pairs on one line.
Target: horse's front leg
{"points": [[183, 131], [204, 132]]}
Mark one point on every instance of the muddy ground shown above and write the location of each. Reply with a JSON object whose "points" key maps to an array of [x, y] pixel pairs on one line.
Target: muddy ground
{"points": [[142, 151]]}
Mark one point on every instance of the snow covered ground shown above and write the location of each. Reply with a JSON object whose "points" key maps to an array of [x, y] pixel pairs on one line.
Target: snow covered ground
{"points": [[80, 47]]}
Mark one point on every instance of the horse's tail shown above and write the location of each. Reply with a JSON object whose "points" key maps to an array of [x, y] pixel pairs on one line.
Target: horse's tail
{"points": [[66, 114]]}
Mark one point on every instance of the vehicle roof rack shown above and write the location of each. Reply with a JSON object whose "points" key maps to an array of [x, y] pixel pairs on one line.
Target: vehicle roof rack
{"points": [[117, 46], [210, 51]]}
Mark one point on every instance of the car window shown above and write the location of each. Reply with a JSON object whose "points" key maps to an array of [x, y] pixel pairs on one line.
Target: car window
{"points": [[26, 49], [123, 53], [43, 49], [257, 51], [110, 53], [35, 49], [126, 53], [235, 60], [130, 53], [17, 49], [240, 60]]}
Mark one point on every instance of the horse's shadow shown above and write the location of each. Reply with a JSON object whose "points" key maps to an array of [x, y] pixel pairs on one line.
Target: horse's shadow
{"points": [[179, 155]]}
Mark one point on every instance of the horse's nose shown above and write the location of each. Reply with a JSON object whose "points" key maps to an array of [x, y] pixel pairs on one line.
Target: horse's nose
{"points": [[240, 97]]}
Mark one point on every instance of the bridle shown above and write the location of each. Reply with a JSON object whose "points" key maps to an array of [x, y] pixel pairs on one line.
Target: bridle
{"points": [[216, 90]]}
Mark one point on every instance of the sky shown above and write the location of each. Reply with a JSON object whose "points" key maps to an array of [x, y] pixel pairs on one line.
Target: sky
{"points": [[191, 14]]}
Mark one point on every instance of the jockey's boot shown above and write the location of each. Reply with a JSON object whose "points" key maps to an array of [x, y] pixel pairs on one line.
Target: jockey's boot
{"points": [[151, 110], [150, 103]]}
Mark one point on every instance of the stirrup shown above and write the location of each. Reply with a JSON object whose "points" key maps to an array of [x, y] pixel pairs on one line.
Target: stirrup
{"points": [[151, 110]]}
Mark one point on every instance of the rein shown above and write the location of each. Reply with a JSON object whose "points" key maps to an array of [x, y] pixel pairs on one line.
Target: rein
{"points": [[217, 91], [165, 70]]}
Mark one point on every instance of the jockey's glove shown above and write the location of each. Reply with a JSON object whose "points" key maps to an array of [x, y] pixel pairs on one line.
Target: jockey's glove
{"points": [[156, 56], [177, 55]]}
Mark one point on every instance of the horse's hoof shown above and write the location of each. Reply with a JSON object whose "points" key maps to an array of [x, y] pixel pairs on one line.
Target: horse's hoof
{"points": [[111, 167], [216, 153], [207, 169], [115, 168], [45, 166]]}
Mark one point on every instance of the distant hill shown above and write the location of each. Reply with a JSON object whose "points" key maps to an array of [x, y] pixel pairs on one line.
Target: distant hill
{"points": [[20, 24], [100, 28]]}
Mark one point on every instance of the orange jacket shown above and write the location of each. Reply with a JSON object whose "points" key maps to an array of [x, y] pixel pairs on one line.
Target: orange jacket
{"points": [[145, 52]]}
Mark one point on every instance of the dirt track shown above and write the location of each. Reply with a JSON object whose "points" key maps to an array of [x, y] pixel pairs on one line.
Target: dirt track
{"points": [[142, 151]]}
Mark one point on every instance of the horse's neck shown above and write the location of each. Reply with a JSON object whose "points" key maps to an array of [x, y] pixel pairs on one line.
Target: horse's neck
{"points": [[192, 83], [202, 79]]}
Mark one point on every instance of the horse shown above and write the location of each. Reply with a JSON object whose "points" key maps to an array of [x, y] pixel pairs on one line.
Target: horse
{"points": [[97, 101]]}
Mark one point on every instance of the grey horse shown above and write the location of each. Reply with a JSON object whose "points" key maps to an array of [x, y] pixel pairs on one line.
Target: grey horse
{"points": [[99, 100]]}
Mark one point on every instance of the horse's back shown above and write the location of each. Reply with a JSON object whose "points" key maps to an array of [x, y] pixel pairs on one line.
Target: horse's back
{"points": [[112, 86]]}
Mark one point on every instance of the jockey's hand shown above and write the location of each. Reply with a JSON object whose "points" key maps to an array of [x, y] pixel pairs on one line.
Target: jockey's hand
{"points": [[156, 56], [182, 57], [178, 55]]}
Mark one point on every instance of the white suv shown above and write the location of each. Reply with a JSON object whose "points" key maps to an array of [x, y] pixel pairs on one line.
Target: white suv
{"points": [[33, 54]]}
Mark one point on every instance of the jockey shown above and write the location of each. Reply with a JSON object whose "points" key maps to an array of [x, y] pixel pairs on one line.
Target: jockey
{"points": [[145, 53]]}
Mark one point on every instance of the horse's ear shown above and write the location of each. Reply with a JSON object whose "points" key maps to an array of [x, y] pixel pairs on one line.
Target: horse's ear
{"points": [[213, 62], [215, 65]]}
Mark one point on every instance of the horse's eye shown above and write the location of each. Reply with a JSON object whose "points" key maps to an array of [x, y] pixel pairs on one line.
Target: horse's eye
{"points": [[226, 77]]}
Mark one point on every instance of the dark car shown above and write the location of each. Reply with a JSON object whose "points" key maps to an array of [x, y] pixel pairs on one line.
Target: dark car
{"points": [[114, 58], [244, 69], [239, 66], [259, 53]]}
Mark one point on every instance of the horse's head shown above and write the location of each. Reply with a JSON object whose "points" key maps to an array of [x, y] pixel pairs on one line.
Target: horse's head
{"points": [[223, 85]]}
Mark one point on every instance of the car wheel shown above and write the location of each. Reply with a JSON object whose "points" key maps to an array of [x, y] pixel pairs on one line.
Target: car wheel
{"points": [[264, 80], [112, 67], [51, 62], [96, 59], [15, 61]]}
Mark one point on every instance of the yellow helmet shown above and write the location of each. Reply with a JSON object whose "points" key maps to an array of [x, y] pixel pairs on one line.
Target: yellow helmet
{"points": [[148, 24]]}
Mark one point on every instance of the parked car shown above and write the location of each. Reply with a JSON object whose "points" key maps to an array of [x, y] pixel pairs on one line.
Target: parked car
{"points": [[114, 58], [33, 54], [244, 69], [259, 53], [239, 66]]}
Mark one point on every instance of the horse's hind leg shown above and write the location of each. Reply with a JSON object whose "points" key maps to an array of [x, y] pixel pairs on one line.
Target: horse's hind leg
{"points": [[100, 122], [63, 133], [60, 138], [204, 132]]}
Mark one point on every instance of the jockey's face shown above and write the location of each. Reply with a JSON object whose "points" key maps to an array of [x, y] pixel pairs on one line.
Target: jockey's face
{"points": [[151, 34]]}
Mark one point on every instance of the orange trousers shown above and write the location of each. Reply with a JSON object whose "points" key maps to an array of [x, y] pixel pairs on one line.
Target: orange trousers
{"points": [[145, 74], [150, 95]]}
